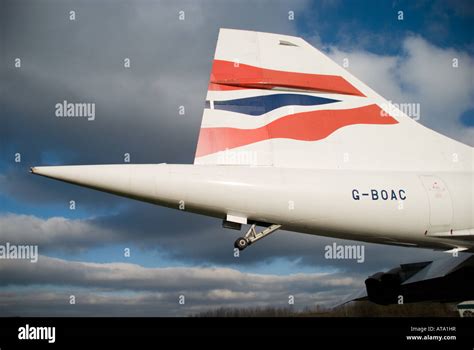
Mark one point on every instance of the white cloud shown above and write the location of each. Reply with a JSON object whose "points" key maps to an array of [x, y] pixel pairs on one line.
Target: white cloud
{"points": [[120, 285], [128, 276], [138, 228], [54, 232], [423, 74]]}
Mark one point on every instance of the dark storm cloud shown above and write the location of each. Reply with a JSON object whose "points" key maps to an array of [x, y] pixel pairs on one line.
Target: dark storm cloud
{"points": [[82, 61], [137, 108]]}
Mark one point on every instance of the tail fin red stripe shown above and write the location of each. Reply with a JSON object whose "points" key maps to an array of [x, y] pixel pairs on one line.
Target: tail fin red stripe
{"points": [[226, 75], [305, 126]]}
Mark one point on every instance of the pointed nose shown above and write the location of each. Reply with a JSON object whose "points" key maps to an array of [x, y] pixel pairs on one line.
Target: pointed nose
{"points": [[129, 180], [48, 171]]}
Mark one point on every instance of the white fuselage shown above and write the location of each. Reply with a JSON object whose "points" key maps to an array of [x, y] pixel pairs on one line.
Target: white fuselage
{"points": [[402, 208]]}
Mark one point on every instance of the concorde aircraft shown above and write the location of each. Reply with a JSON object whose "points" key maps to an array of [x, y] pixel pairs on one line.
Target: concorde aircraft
{"points": [[291, 140]]}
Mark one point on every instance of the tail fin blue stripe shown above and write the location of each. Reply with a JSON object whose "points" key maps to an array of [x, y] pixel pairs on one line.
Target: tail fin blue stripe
{"points": [[259, 105]]}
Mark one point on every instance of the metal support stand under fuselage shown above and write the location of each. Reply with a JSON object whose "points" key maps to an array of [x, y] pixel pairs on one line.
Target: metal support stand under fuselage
{"points": [[252, 236]]}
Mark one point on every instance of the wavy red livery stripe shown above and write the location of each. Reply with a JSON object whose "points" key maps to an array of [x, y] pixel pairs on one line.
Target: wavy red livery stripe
{"points": [[305, 126], [227, 75]]}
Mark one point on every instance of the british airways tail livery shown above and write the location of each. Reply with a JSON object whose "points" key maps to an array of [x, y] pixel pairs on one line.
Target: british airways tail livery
{"points": [[290, 140]]}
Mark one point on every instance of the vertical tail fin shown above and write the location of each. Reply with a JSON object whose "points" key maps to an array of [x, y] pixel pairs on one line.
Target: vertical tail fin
{"points": [[274, 100]]}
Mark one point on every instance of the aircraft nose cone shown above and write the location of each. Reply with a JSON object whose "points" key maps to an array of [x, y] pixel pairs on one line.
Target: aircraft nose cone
{"points": [[129, 180]]}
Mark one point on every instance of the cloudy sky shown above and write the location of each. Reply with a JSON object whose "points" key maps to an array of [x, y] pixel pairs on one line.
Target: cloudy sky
{"points": [[175, 254]]}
